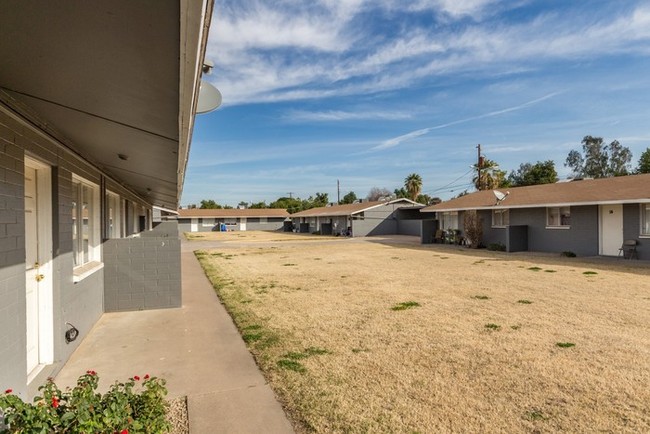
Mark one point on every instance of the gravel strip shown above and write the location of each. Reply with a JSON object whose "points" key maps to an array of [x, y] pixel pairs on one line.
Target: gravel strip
{"points": [[177, 416]]}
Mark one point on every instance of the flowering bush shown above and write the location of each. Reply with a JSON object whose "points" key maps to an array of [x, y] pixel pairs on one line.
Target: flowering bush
{"points": [[121, 410]]}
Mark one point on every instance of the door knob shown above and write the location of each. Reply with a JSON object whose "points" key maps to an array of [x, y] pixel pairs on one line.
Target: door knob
{"points": [[36, 265], [40, 277]]}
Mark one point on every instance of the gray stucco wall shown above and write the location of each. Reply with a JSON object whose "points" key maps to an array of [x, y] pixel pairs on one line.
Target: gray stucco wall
{"points": [[143, 273], [252, 224], [376, 221], [632, 229], [581, 238]]}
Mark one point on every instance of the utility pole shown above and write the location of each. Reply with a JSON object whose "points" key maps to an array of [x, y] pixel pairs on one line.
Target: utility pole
{"points": [[479, 164], [290, 194], [338, 192]]}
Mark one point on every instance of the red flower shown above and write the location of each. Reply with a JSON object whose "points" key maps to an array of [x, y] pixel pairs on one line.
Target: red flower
{"points": [[124, 431], [91, 372], [136, 378], [8, 391], [146, 377], [55, 402]]}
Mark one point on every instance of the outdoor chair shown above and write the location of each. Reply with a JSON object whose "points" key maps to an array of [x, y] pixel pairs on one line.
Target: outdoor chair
{"points": [[439, 237], [628, 250]]}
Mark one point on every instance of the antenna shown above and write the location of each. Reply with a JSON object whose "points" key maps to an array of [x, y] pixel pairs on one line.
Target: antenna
{"points": [[500, 196]]}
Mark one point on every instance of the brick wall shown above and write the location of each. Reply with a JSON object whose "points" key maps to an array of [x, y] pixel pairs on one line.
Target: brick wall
{"points": [[144, 272]]}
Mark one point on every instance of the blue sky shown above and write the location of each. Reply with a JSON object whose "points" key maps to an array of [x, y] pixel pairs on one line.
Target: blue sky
{"points": [[369, 91]]}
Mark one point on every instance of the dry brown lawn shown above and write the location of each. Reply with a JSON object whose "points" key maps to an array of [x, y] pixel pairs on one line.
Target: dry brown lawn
{"points": [[478, 353]]}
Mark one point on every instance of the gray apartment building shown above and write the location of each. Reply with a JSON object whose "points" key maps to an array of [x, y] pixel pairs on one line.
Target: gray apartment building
{"points": [[97, 103]]}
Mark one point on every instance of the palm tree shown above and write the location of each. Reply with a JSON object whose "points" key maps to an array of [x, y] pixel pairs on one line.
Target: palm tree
{"points": [[413, 185], [491, 176]]}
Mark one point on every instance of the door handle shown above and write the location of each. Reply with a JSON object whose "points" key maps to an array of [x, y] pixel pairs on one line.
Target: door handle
{"points": [[40, 277], [36, 265]]}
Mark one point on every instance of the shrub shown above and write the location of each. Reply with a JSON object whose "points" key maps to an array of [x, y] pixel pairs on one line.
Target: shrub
{"points": [[499, 247], [568, 254], [473, 229], [81, 409]]}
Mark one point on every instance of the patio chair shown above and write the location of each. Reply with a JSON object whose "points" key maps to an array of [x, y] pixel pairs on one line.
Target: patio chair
{"points": [[439, 236], [628, 250]]}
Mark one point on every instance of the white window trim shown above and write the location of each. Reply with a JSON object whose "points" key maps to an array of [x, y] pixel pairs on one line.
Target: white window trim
{"points": [[560, 226], [446, 217], [94, 245], [502, 212], [117, 214], [643, 215]]}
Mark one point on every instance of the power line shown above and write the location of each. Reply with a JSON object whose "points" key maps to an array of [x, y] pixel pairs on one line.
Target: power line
{"points": [[451, 183]]}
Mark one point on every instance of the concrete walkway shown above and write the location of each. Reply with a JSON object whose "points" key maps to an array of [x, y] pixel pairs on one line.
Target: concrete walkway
{"points": [[196, 348]]}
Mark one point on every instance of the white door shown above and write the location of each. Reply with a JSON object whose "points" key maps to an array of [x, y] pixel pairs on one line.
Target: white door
{"points": [[38, 248], [194, 225], [242, 224], [611, 229]]}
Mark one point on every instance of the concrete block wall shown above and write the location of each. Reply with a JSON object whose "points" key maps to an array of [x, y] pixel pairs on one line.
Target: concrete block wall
{"points": [[142, 273], [78, 303]]}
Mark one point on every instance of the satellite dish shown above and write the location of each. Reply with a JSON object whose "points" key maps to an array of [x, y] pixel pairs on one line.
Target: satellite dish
{"points": [[209, 98], [500, 196]]}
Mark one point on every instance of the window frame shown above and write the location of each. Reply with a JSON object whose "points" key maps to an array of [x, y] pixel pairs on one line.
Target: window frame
{"points": [[206, 223], [449, 217], [560, 217], [503, 220], [114, 202], [83, 263], [644, 220]]}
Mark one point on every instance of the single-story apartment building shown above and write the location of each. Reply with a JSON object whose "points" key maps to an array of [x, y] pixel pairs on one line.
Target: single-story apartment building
{"points": [[588, 217], [395, 217], [205, 220], [97, 103]]}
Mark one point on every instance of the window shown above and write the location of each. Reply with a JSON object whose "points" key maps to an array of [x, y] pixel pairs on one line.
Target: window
{"points": [[114, 215], [449, 220], [500, 217], [207, 223], [85, 222], [263, 220], [645, 219], [558, 217]]}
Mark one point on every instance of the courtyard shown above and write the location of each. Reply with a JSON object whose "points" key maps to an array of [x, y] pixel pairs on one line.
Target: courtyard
{"points": [[384, 335]]}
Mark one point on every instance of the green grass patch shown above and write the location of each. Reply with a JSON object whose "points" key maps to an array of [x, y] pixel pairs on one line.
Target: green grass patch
{"points": [[565, 344], [405, 305], [480, 297], [252, 327], [550, 271], [315, 351], [291, 365], [251, 337], [589, 273], [492, 326], [515, 327], [535, 268], [289, 265], [444, 257], [534, 415], [524, 301]]}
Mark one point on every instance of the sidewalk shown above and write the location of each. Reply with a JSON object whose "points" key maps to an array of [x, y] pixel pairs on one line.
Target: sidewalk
{"points": [[196, 348]]}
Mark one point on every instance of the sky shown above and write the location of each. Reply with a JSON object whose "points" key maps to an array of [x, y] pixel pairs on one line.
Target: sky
{"points": [[367, 92]]}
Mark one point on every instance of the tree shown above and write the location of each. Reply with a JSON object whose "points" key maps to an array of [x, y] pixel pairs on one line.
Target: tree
{"points": [[413, 185], [321, 199], [400, 193], [644, 162], [349, 198], [377, 193], [210, 204], [259, 205], [542, 172], [292, 205], [425, 199], [491, 176], [599, 160]]}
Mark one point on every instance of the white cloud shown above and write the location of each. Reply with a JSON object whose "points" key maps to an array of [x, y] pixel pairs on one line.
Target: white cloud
{"points": [[390, 143], [339, 115], [292, 51]]}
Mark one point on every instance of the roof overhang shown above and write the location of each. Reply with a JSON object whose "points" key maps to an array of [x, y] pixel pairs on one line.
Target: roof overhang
{"points": [[106, 79], [540, 205]]}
